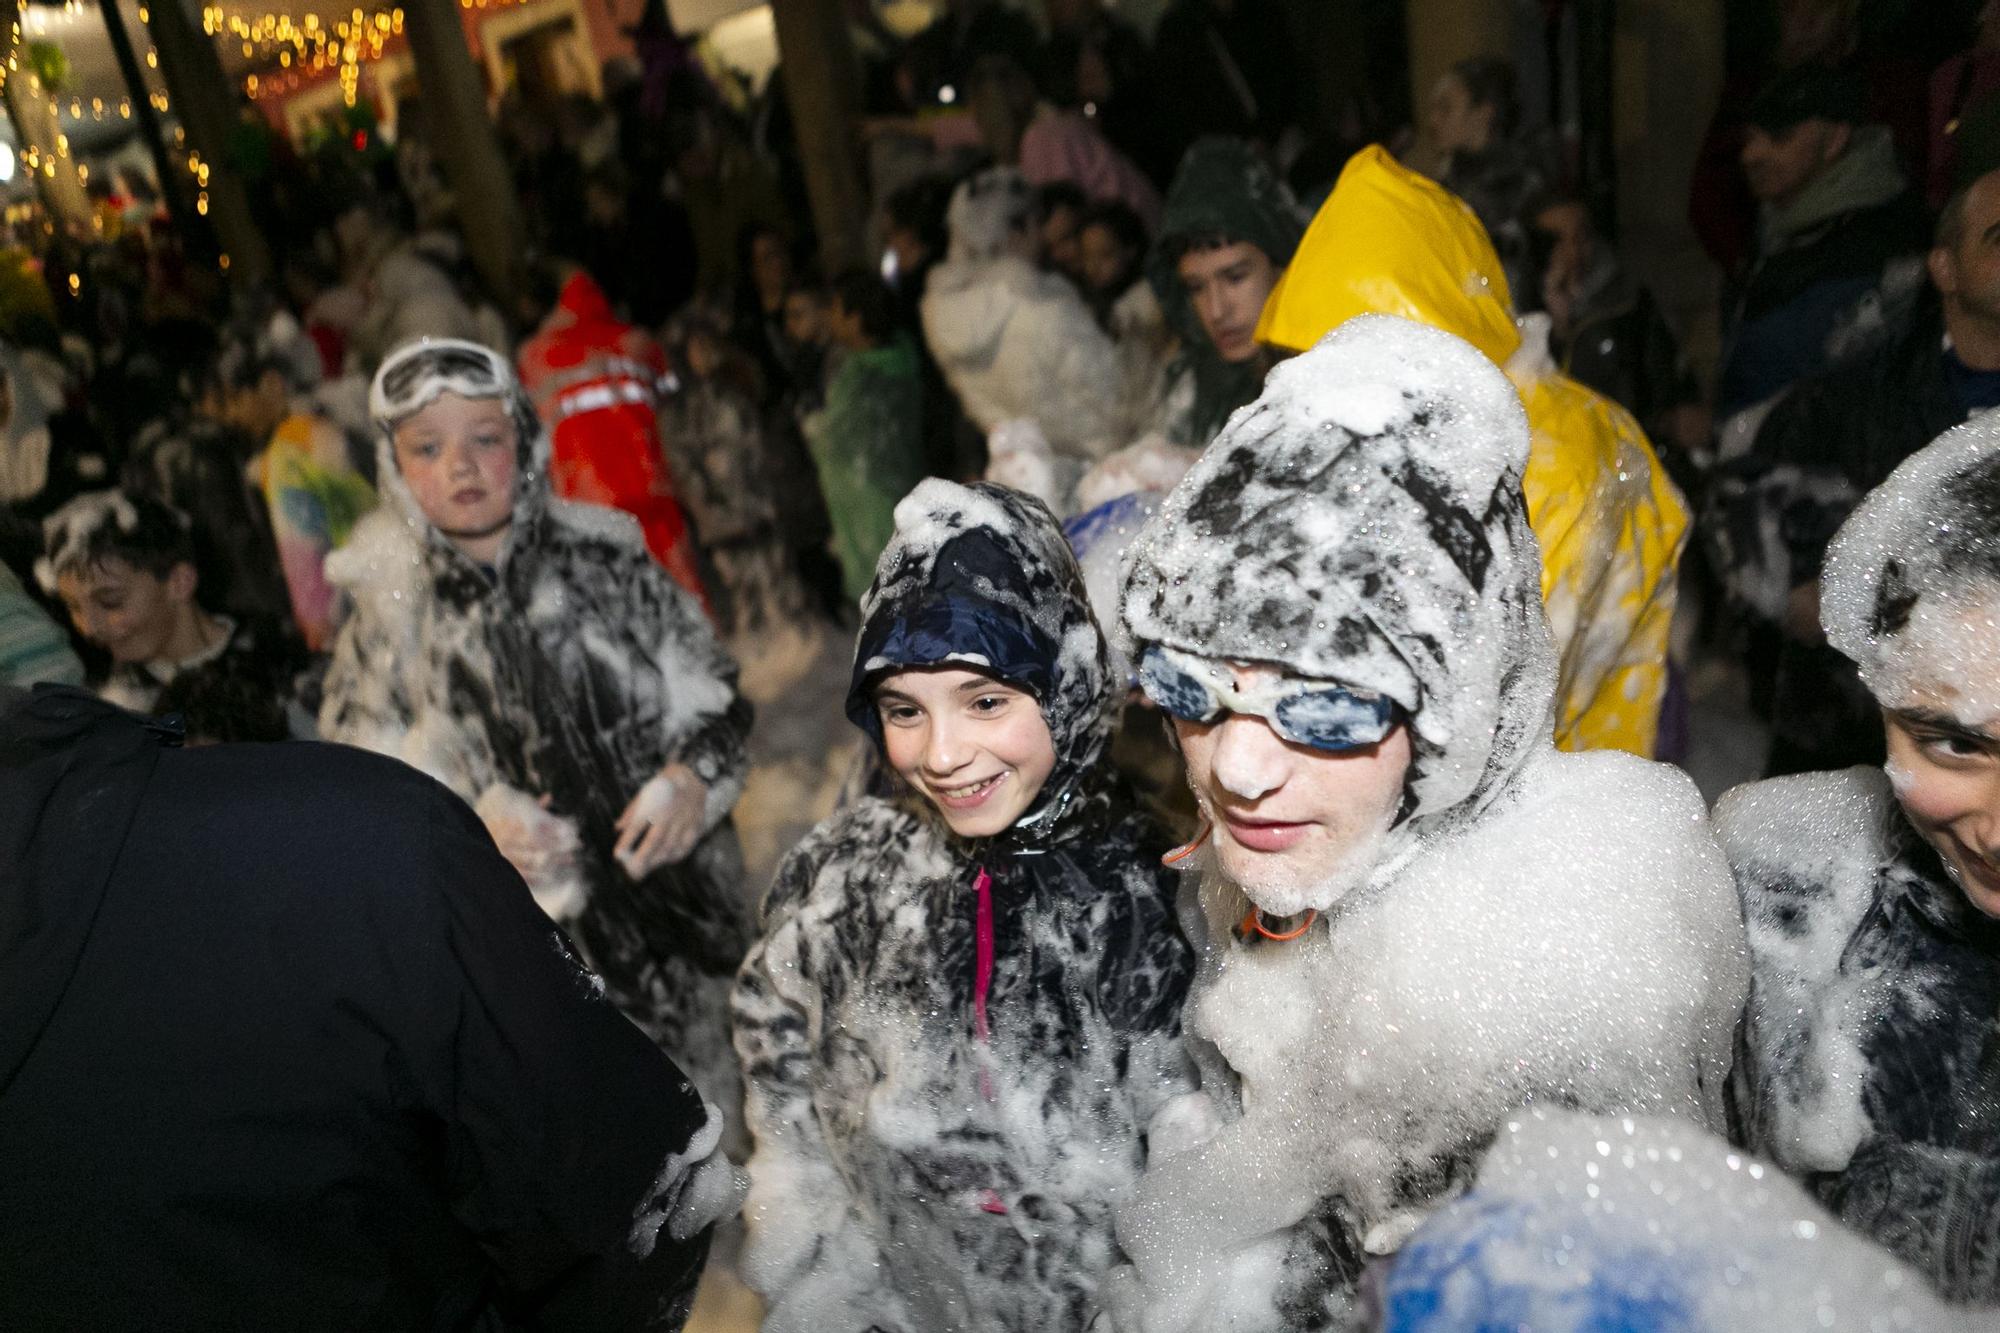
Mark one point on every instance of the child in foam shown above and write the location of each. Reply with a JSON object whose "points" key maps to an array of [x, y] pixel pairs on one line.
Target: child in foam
{"points": [[965, 1007], [1874, 900], [124, 567], [1414, 913], [529, 653]]}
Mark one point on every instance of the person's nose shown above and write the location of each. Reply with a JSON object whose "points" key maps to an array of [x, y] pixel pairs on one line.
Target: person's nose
{"points": [[945, 748], [1979, 826], [1250, 761], [459, 462]]}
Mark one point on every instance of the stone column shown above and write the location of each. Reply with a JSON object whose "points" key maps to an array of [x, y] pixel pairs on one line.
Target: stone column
{"points": [[823, 89], [205, 100], [33, 110], [1666, 79], [467, 146]]}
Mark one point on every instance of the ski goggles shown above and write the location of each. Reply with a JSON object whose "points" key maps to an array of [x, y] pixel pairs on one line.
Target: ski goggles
{"points": [[1313, 713]]}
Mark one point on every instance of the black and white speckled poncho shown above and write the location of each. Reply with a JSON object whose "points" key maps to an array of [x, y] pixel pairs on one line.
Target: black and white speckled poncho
{"points": [[1871, 1055], [911, 1175], [575, 669], [1529, 927]]}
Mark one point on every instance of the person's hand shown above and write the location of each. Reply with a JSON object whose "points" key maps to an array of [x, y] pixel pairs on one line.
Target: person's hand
{"points": [[538, 843], [662, 822]]}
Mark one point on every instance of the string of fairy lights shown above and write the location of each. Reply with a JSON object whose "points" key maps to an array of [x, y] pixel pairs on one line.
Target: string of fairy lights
{"points": [[283, 52], [296, 51]]}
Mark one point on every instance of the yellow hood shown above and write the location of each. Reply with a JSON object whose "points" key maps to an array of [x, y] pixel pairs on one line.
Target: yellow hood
{"points": [[1388, 241], [1609, 522]]}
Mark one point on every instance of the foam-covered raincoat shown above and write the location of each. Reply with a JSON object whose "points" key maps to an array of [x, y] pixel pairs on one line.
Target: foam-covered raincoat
{"points": [[1871, 1047], [1528, 926], [1610, 523], [952, 1048], [575, 669]]}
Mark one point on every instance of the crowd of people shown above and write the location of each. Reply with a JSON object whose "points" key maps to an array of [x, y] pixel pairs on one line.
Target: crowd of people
{"points": [[1274, 577]]}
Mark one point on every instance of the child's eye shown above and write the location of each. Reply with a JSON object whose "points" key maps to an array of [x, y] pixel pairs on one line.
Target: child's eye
{"points": [[989, 703], [1942, 745], [900, 715]]}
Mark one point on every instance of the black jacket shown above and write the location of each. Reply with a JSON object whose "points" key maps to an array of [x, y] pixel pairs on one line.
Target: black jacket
{"points": [[285, 1044], [1771, 512]]}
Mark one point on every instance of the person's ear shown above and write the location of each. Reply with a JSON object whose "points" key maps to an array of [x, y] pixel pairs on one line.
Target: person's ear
{"points": [[181, 582], [1943, 267]]}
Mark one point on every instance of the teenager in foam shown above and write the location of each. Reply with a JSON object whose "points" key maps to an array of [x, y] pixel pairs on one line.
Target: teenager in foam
{"points": [[964, 1009], [1873, 897], [1415, 915], [530, 653]]}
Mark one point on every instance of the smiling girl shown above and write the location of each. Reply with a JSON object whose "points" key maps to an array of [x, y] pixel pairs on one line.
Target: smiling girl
{"points": [[965, 1006], [1872, 1046]]}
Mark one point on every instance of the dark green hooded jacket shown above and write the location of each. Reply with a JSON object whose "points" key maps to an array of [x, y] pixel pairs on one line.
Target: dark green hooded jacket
{"points": [[1222, 188]]}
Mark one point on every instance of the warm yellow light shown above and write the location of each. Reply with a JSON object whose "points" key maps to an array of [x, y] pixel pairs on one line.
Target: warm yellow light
{"points": [[201, 204]]}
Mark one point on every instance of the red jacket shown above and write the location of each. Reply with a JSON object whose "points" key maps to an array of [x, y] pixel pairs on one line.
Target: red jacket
{"points": [[593, 381]]}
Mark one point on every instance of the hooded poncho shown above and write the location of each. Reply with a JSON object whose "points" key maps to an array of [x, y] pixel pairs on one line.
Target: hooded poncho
{"points": [[1223, 189], [1533, 925], [575, 669], [1014, 342], [1868, 1064], [953, 1049]]}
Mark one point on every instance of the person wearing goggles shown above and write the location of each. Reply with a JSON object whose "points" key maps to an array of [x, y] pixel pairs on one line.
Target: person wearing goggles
{"points": [[1413, 913]]}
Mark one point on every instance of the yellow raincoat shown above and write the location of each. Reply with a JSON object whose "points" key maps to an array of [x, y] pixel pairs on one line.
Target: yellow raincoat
{"points": [[1610, 523]]}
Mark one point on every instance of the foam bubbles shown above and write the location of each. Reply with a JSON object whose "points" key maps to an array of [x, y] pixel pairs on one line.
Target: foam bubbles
{"points": [[1581, 1223]]}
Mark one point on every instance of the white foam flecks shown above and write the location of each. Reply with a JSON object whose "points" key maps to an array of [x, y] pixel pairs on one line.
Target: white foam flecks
{"points": [[696, 1187], [1536, 927], [1809, 1018], [67, 533], [1908, 588], [1581, 1223]]}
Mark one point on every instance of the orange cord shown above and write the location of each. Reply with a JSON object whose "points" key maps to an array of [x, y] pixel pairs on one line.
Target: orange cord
{"points": [[1180, 854], [1255, 921]]}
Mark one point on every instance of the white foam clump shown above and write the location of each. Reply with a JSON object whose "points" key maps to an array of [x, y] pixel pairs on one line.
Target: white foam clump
{"points": [[1832, 831], [67, 533], [1019, 455], [1151, 465], [1901, 594], [1581, 945], [1580, 1223], [555, 879]]}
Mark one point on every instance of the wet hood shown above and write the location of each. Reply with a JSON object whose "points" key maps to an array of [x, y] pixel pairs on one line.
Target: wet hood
{"points": [[1362, 522], [1389, 241], [981, 575]]}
